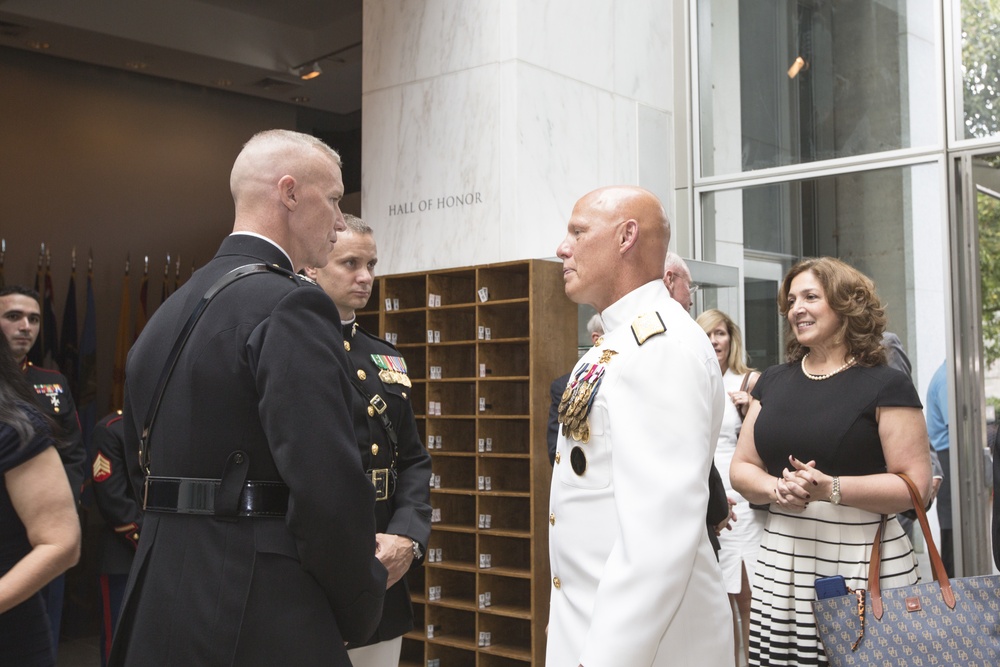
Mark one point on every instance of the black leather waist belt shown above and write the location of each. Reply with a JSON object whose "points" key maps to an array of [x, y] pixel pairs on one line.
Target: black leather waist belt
{"points": [[384, 481], [190, 495]]}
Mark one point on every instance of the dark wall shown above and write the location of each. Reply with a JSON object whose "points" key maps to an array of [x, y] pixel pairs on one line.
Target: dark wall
{"points": [[120, 163]]}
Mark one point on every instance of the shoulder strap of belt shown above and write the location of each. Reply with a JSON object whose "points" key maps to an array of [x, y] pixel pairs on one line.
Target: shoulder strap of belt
{"points": [[182, 337], [380, 406]]}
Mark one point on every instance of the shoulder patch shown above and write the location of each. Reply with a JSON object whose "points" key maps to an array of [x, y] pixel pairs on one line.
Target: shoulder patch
{"points": [[101, 468], [646, 326]]}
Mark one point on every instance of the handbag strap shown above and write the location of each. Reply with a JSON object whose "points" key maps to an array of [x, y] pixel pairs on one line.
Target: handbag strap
{"points": [[937, 565], [746, 381]]}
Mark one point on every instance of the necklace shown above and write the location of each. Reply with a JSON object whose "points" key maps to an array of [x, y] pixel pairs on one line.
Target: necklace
{"points": [[848, 364]]}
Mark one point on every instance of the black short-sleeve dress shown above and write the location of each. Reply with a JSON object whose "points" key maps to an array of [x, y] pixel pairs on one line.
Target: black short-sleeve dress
{"points": [[24, 630], [832, 422]]}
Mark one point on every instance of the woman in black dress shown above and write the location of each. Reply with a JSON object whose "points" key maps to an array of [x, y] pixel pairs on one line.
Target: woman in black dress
{"points": [[821, 440], [39, 529]]}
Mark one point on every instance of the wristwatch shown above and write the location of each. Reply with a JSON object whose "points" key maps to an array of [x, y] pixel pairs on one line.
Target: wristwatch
{"points": [[418, 552], [834, 495]]}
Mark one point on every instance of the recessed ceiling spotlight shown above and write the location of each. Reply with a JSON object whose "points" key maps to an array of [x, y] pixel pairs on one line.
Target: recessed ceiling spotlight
{"points": [[309, 71], [136, 64], [37, 44]]}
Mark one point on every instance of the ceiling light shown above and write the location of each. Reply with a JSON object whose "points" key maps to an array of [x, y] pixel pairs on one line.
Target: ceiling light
{"points": [[37, 45], [307, 72]]}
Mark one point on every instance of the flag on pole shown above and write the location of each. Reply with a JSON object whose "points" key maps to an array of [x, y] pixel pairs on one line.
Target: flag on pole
{"points": [[86, 404], [50, 330], [3, 251], [122, 345], [69, 352], [140, 313], [37, 351], [163, 287]]}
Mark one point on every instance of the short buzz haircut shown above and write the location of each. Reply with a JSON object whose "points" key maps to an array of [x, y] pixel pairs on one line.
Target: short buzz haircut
{"points": [[356, 224], [23, 291]]}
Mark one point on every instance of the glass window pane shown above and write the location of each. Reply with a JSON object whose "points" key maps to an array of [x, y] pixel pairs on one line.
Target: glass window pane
{"points": [[795, 81], [980, 68], [884, 222]]}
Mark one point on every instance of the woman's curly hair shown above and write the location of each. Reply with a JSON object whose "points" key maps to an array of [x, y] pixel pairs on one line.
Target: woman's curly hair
{"points": [[851, 294]]}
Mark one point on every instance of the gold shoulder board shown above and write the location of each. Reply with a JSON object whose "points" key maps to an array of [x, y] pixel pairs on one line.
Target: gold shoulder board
{"points": [[646, 326]]}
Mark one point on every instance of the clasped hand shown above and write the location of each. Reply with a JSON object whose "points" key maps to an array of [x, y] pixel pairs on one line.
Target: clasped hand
{"points": [[798, 486]]}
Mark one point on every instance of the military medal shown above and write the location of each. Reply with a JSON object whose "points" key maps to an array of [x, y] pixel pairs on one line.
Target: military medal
{"points": [[578, 399], [392, 370]]}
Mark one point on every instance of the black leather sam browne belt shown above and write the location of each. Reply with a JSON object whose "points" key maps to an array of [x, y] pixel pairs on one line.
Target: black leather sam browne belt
{"points": [[232, 495]]}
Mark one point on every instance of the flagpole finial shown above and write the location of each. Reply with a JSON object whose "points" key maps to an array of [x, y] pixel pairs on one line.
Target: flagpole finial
{"points": [[145, 265], [90, 260], [73, 258], [128, 262], [41, 256]]}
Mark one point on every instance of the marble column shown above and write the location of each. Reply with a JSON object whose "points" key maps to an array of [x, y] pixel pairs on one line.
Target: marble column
{"points": [[483, 122]]}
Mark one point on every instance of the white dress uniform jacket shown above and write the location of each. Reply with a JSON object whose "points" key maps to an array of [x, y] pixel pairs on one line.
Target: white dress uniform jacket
{"points": [[635, 582]]}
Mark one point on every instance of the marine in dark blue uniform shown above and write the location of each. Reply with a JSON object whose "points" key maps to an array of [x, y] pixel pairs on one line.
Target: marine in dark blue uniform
{"points": [[114, 486], [391, 448]]}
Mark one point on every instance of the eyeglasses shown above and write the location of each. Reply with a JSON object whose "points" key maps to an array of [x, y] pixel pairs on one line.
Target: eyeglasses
{"points": [[693, 287]]}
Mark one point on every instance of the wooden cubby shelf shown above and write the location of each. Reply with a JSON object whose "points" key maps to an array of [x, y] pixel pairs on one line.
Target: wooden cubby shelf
{"points": [[482, 345]]}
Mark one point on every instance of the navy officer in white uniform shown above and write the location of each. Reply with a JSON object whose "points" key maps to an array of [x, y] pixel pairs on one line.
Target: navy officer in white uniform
{"points": [[634, 578]]}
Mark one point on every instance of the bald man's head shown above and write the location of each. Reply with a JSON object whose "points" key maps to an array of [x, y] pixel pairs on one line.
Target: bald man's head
{"points": [[617, 240]]}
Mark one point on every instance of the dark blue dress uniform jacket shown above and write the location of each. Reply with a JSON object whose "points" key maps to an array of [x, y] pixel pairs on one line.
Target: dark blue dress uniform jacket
{"points": [[408, 511], [114, 486], [56, 401], [261, 373]]}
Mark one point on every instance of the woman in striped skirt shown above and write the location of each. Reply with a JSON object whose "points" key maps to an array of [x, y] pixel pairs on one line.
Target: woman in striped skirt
{"points": [[824, 434]]}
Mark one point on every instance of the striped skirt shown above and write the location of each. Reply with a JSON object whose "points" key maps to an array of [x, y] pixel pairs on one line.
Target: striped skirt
{"points": [[822, 541]]}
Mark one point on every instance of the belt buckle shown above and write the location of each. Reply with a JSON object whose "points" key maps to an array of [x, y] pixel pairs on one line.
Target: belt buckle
{"points": [[378, 403], [380, 480]]}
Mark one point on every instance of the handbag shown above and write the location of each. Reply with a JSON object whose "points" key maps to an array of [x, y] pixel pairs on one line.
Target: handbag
{"points": [[945, 622]]}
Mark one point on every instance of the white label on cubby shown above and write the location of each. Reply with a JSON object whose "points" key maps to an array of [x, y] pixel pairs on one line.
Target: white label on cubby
{"points": [[430, 632], [484, 294], [482, 370], [482, 483], [482, 332], [482, 601], [489, 444], [436, 515], [489, 483], [430, 441], [430, 335], [485, 638], [485, 520], [482, 445], [437, 336], [395, 304], [437, 553], [485, 561], [437, 300], [430, 300], [388, 303], [437, 440], [434, 662], [437, 481], [394, 339], [486, 334], [431, 481], [482, 404], [388, 337], [430, 556], [489, 600], [434, 593]]}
